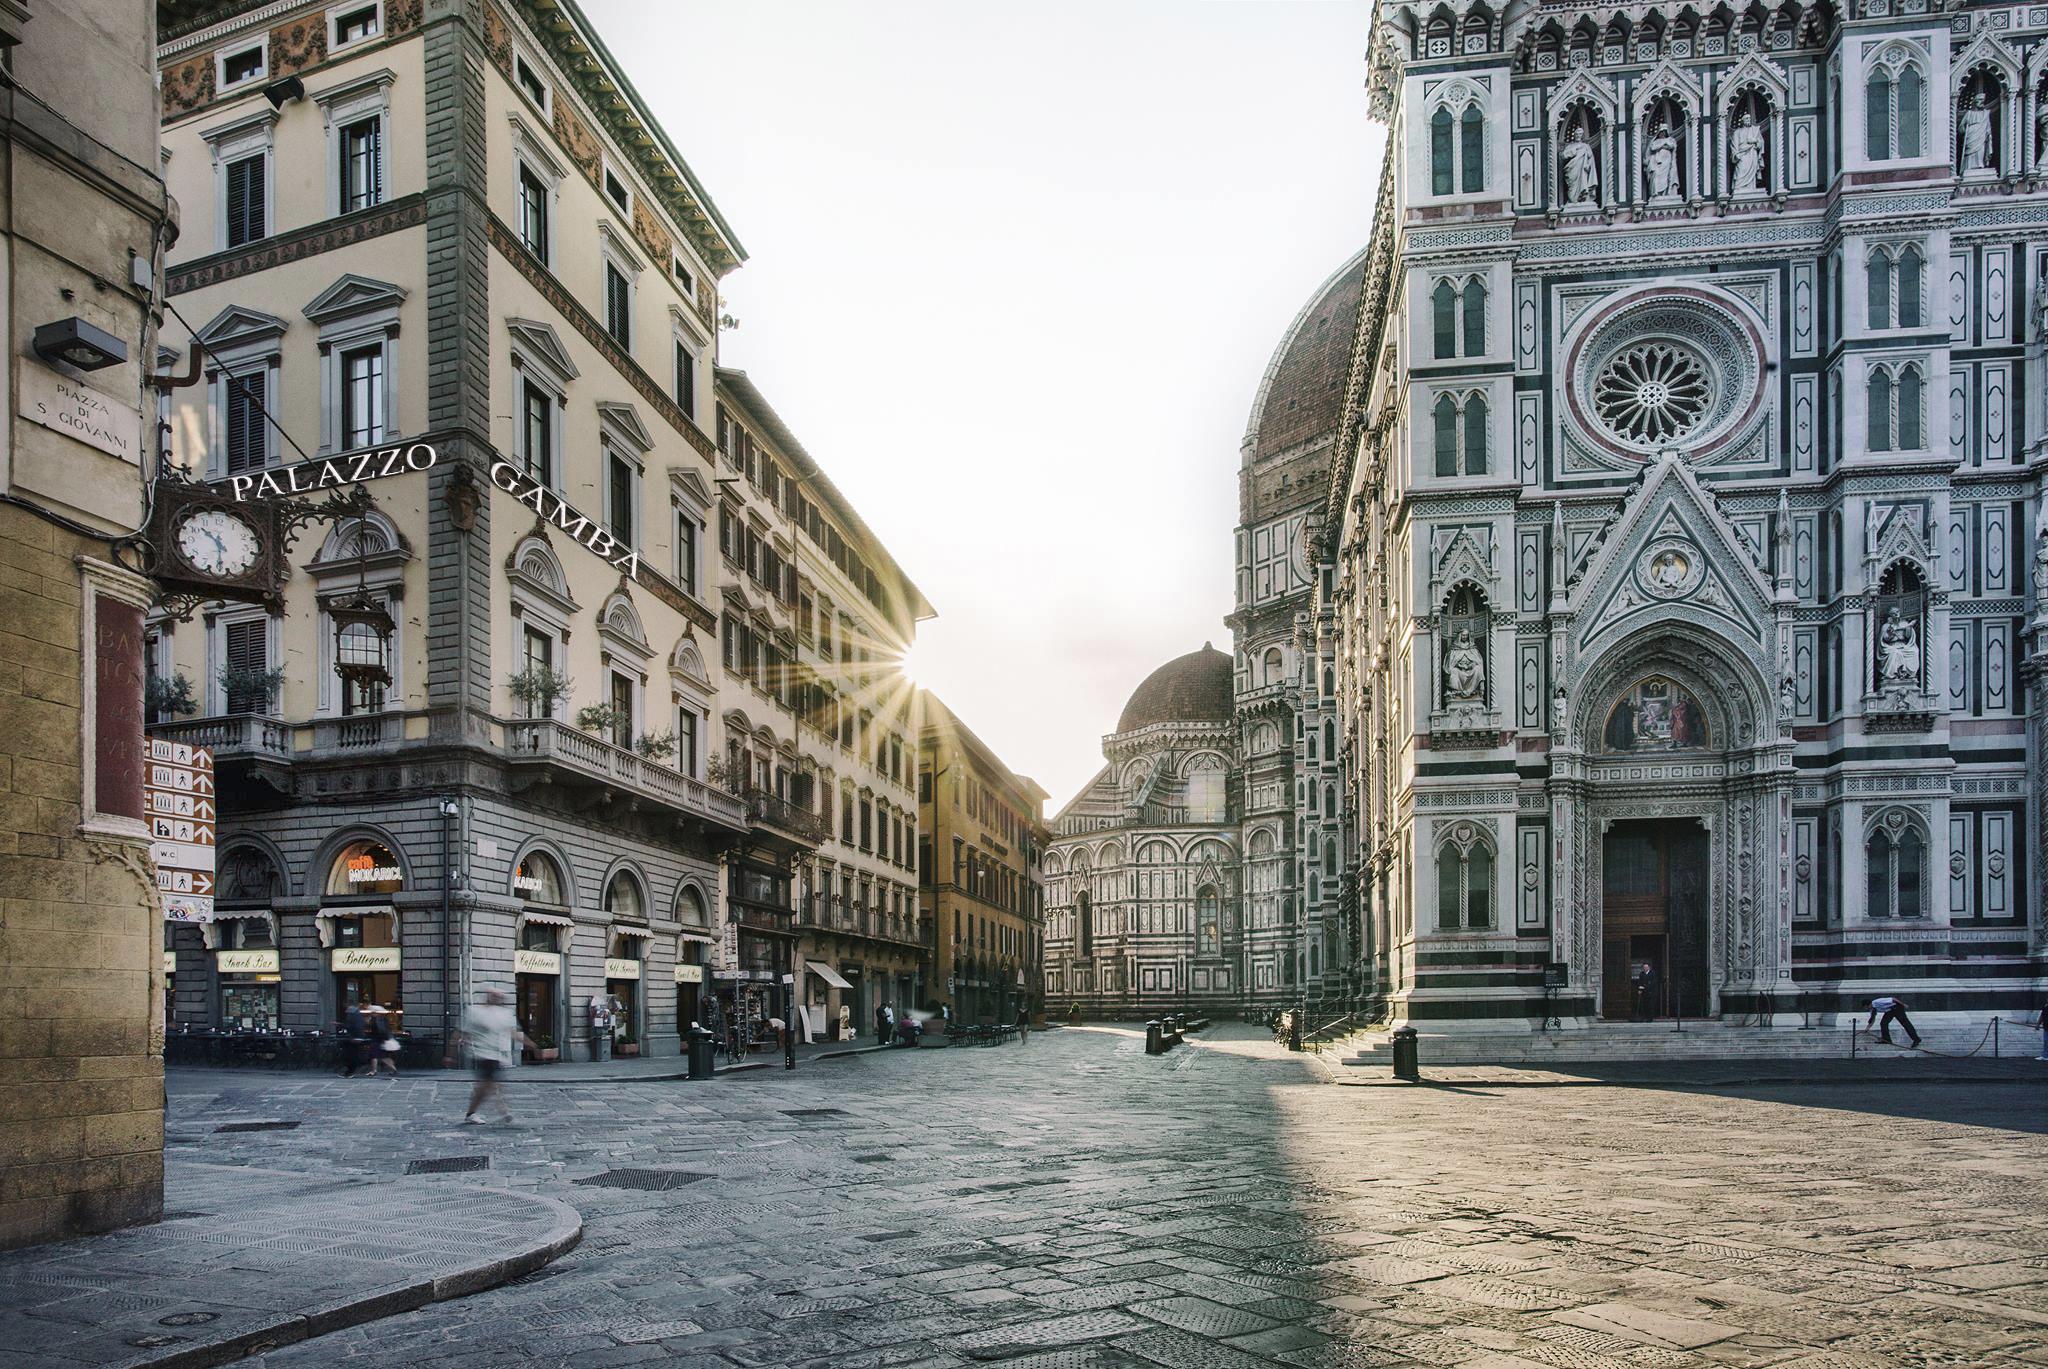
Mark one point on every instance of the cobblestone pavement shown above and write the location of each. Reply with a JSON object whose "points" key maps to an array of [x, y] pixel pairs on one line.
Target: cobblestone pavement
{"points": [[1073, 1202]]}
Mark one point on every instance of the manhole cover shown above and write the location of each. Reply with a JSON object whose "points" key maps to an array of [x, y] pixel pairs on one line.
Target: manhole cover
{"points": [[187, 1319], [648, 1180], [258, 1126], [448, 1164], [813, 1112]]}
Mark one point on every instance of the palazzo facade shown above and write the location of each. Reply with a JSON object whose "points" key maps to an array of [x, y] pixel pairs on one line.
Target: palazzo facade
{"points": [[1682, 537]]}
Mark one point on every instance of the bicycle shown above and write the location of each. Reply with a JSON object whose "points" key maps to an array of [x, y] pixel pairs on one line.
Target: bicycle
{"points": [[734, 1045]]}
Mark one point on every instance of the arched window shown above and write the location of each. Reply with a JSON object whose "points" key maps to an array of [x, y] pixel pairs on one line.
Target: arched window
{"points": [[1475, 318], [690, 907], [1441, 173], [1208, 921], [539, 880], [1275, 666], [1475, 436], [1444, 308], [1878, 399], [1084, 925], [622, 898], [1896, 399], [1910, 437], [1445, 416], [1910, 271], [1329, 740], [1895, 860], [1464, 881], [1472, 150], [1878, 291], [364, 867], [1893, 279], [1330, 847], [1894, 108]]}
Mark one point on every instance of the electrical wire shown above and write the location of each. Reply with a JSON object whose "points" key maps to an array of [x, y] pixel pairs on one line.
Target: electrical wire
{"points": [[237, 382]]}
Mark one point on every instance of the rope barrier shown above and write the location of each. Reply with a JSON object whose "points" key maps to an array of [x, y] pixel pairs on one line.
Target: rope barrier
{"points": [[1856, 1028]]}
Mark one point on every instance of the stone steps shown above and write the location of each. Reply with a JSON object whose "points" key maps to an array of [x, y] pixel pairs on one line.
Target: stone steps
{"points": [[1654, 1041]]}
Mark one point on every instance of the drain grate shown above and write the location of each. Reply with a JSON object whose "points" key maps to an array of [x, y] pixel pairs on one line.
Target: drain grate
{"points": [[448, 1164], [646, 1180], [878, 1237], [813, 1112], [257, 1126]]}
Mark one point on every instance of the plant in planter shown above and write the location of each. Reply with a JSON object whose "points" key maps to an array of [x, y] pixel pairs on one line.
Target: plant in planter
{"points": [[544, 1048], [249, 690], [538, 688], [597, 719], [168, 695], [627, 1041], [656, 746]]}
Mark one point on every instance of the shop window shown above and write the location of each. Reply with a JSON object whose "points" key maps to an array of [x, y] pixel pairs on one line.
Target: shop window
{"points": [[622, 899], [364, 867], [538, 879]]}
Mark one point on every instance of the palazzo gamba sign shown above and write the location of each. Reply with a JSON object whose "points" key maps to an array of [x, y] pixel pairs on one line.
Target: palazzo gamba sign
{"points": [[561, 513]]}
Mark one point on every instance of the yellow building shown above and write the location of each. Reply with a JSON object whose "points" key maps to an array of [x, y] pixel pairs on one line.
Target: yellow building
{"points": [[81, 1064], [981, 837]]}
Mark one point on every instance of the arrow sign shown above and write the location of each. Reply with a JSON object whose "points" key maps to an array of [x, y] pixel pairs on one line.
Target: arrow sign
{"points": [[177, 793]]}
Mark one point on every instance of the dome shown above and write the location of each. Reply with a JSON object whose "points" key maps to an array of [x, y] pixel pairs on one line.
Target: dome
{"points": [[1195, 688], [1301, 397]]}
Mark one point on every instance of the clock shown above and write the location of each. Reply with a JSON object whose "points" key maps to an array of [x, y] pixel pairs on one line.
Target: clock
{"points": [[217, 542]]}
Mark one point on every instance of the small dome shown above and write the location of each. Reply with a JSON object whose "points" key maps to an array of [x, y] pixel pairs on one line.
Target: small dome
{"points": [[1195, 688]]}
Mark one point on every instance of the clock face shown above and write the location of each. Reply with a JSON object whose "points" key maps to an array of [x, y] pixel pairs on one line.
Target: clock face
{"points": [[217, 542]]}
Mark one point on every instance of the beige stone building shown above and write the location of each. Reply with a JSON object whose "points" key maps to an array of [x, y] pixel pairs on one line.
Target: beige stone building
{"points": [[981, 842], [81, 1064]]}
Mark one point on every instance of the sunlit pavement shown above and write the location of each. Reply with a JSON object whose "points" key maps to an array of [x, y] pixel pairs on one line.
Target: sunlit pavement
{"points": [[1072, 1201]]}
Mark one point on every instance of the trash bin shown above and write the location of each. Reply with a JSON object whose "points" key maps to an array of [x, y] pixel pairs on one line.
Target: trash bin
{"points": [[1153, 1041], [1405, 1066], [700, 1052]]}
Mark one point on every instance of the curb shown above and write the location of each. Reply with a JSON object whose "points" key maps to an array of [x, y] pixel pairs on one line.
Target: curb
{"points": [[1733, 1081], [377, 1304]]}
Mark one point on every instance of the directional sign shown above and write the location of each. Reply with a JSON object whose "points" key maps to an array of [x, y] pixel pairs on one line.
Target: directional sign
{"points": [[178, 797]]}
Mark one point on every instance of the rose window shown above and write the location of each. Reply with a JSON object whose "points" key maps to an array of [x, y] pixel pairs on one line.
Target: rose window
{"points": [[1652, 392]]}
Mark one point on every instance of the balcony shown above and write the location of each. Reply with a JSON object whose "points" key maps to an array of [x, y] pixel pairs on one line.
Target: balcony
{"points": [[820, 914], [781, 817], [232, 736], [559, 751]]}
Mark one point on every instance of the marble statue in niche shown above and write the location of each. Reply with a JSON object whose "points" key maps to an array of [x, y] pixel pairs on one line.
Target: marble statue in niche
{"points": [[1660, 164], [1746, 146], [1978, 154], [1464, 670], [1898, 651], [1656, 715], [1581, 168]]}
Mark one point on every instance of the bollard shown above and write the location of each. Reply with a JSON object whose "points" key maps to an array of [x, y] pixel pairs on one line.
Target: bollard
{"points": [[1405, 1063], [1294, 1031], [1153, 1044], [699, 1049]]}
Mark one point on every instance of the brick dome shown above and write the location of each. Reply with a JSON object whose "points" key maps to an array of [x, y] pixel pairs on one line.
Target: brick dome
{"points": [[1195, 688], [1301, 398]]}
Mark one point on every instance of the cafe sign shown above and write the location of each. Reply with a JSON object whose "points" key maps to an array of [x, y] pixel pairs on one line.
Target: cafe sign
{"points": [[364, 869], [364, 959], [536, 962], [689, 974], [245, 962], [617, 968]]}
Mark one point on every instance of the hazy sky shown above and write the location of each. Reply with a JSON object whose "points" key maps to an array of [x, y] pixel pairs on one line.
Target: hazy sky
{"points": [[1015, 271]]}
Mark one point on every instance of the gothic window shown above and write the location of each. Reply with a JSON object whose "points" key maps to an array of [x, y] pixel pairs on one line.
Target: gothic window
{"points": [[1460, 432], [1464, 881], [1457, 149], [1208, 921], [1895, 399], [1894, 108], [1895, 860], [1444, 306], [1084, 925], [1893, 294], [1458, 315]]}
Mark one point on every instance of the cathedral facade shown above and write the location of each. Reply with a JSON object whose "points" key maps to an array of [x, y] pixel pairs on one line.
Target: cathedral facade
{"points": [[1682, 537]]}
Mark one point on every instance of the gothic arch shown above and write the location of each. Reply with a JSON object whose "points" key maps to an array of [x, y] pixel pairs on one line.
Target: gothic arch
{"points": [[1724, 678], [542, 846]]}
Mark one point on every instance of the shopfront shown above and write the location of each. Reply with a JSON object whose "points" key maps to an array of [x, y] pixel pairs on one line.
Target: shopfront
{"points": [[545, 928], [693, 955], [625, 955], [246, 970], [360, 928], [825, 992]]}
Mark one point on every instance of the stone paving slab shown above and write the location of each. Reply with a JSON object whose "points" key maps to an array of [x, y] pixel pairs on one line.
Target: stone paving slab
{"points": [[1916, 1070], [248, 1259]]}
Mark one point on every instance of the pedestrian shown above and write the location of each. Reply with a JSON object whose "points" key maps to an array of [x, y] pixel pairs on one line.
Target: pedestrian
{"points": [[1023, 1025], [352, 1033], [383, 1045], [2043, 1025], [493, 1034], [885, 1025], [1884, 1012]]}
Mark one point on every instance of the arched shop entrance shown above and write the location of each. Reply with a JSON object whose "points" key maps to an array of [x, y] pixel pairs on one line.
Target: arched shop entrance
{"points": [[693, 946], [625, 955], [359, 926], [545, 926]]}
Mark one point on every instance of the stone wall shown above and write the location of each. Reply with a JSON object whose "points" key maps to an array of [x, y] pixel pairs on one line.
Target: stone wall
{"points": [[81, 1044]]}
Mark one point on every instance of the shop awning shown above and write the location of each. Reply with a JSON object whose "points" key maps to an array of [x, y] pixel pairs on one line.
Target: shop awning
{"points": [[828, 974], [697, 936], [549, 919], [620, 930]]}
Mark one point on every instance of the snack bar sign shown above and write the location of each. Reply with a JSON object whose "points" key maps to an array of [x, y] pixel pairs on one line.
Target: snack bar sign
{"points": [[177, 797]]}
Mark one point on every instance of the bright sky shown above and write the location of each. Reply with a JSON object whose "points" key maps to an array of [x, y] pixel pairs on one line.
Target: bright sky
{"points": [[1016, 270]]}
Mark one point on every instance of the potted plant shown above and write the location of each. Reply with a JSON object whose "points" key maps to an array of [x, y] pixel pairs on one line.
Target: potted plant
{"points": [[597, 719], [656, 746], [537, 688], [250, 686], [544, 1049], [168, 695], [626, 1042]]}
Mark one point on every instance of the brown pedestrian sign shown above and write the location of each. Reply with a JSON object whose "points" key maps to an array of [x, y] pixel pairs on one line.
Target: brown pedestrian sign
{"points": [[178, 799]]}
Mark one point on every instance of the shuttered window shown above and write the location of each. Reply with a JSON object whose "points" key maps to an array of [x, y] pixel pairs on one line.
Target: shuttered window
{"points": [[618, 300], [362, 164], [362, 397], [620, 499], [537, 422], [245, 656], [247, 449], [686, 380], [533, 213], [245, 200]]}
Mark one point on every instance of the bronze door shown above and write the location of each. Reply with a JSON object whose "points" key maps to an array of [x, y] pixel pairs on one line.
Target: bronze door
{"points": [[1653, 917]]}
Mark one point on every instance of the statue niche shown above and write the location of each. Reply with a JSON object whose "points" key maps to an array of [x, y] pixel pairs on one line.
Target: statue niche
{"points": [[1898, 617], [1977, 118], [1462, 652], [1663, 152], [1748, 146], [1578, 167]]}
